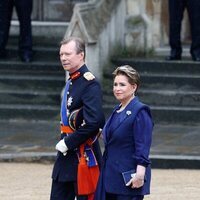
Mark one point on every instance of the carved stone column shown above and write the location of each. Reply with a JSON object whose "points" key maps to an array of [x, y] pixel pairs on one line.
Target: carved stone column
{"points": [[138, 31]]}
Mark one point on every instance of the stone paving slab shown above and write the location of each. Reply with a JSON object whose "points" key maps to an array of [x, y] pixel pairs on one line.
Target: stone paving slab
{"points": [[176, 146], [173, 145], [176, 139]]}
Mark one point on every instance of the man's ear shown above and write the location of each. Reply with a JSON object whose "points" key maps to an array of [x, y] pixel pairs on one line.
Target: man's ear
{"points": [[82, 55]]}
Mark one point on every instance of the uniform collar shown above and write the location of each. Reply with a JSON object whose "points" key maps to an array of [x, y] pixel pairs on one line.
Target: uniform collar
{"points": [[78, 73], [74, 75]]}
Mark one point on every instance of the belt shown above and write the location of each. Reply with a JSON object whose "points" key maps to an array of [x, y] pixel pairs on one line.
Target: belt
{"points": [[66, 129], [88, 170]]}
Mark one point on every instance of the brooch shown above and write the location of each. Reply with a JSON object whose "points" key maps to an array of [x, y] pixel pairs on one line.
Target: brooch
{"points": [[128, 112]]}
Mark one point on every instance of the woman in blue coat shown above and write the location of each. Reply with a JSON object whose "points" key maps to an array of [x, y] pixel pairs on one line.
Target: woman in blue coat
{"points": [[126, 172]]}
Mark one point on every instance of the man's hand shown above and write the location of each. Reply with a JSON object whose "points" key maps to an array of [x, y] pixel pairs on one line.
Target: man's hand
{"points": [[61, 146]]}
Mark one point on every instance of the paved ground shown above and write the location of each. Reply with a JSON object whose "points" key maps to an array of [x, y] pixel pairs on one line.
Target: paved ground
{"points": [[21, 136], [28, 181], [173, 145]]}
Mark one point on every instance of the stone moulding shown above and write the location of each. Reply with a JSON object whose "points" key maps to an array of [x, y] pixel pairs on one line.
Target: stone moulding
{"points": [[89, 19]]}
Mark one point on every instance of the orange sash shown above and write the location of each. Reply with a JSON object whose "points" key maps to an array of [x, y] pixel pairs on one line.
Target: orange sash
{"points": [[87, 177]]}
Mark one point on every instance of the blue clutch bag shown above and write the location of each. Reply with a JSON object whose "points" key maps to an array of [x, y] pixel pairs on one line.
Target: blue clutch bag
{"points": [[128, 175]]}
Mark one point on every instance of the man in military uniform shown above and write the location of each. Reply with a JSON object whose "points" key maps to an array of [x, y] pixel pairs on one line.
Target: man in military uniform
{"points": [[81, 120], [24, 10]]}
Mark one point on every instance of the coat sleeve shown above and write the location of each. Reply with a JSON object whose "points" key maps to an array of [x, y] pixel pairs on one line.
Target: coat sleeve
{"points": [[92, 115], [143, 127]]}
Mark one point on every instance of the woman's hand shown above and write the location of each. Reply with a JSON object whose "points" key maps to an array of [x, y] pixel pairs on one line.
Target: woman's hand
{"points": [[137, 179]]}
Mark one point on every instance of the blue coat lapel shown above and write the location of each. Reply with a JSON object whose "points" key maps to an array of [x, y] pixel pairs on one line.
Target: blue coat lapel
{"points": [[106, 128]]}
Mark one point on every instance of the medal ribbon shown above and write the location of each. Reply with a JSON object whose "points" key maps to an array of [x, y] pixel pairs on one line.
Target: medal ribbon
{"points": [[63, 113]]}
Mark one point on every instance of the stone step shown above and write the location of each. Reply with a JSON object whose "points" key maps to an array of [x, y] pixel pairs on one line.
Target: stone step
{"points": [[176, 114], [162, 97], [164, 81], [174, 81], [31, 90], [47, 32], [164, 51], [34, 68], [30, 97], [27, 111], [39, 54], [31, 82], [168, 114], [157, 65], [44, 48], [170, 97], [175, 161]]}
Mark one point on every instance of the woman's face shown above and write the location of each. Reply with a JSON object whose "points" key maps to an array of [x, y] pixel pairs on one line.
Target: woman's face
{"points": [[122, 89]]}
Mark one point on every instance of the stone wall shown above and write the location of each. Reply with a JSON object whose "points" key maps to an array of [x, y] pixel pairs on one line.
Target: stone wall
{"points": [[105, 24], [100, 24]]}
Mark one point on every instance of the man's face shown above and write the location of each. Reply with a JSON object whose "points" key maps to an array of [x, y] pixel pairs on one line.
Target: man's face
{"points": [[71, 61]]}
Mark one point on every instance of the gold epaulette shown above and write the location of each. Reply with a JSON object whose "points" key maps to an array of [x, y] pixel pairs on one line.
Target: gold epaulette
{"points": [[88, 76]]}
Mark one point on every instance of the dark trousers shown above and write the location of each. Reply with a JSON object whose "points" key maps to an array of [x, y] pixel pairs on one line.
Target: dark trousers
{"points": [[65, 191], [110, 196], [176, 11], [24, 10]]}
